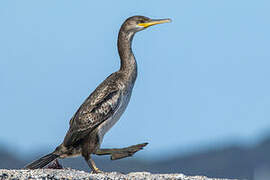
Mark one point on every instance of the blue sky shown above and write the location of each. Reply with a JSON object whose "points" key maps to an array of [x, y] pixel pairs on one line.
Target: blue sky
{"points": [[202, 79]]}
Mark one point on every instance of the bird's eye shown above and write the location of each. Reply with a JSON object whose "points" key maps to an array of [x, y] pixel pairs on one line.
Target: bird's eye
{"points": [[141, 21]]}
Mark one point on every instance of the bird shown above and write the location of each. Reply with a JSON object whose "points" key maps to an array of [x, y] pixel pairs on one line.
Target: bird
{"points": [[104, 106]]}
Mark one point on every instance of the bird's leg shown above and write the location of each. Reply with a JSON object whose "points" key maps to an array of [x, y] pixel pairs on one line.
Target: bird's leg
{"points": [[121, 152], [55, 165], [92, 165]]}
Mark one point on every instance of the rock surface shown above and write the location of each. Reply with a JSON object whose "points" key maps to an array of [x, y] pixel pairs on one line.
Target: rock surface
{"points": [[74, 174]]}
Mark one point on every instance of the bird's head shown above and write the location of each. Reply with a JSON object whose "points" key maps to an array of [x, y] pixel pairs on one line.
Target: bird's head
{"points": [[138, 23]]}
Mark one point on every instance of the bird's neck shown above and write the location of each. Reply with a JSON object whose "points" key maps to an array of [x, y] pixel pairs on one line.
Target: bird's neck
{"points": [[128, 61]]}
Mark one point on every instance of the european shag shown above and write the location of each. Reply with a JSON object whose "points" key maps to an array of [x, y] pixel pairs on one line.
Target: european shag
{"points": [[103, 108]]}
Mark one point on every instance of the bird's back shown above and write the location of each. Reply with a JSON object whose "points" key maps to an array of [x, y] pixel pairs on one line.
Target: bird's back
{"points": [[101, 109]]}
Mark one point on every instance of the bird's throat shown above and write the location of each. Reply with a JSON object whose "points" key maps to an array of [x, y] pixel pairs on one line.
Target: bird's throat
{"points": [[128, 61]]}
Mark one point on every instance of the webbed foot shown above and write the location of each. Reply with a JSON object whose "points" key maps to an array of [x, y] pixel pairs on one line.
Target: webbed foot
{"points": [[55, 165], [121, 152]]}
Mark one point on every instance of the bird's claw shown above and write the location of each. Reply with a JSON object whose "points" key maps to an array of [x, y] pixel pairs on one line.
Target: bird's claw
{"points": [[96, 171], [55, 165], [126, 152]]}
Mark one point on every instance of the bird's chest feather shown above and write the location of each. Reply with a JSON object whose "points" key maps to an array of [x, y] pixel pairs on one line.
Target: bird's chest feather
{"points": [[106, 125]]}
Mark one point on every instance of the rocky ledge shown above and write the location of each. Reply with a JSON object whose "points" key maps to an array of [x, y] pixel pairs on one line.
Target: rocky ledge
{"points": [[62, 174]]}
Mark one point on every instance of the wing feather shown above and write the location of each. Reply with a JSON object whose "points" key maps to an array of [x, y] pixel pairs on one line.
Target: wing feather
{"points": [[97, 108]]}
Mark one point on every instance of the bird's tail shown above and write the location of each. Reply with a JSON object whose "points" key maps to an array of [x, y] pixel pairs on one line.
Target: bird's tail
{"points": [[43, 161]]}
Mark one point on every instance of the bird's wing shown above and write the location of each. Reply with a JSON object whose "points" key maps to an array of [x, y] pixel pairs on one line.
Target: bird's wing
{"points": [[97, 108]]}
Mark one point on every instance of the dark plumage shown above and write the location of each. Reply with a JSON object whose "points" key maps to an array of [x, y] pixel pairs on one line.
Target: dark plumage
{"points": [[101, 110]]}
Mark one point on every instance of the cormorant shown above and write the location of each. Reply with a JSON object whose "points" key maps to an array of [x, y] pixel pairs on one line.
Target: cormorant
{"points": [[103, 108]]}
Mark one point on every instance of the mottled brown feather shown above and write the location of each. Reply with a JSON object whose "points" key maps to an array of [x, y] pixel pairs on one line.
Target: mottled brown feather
{"points": [[97, 108]]}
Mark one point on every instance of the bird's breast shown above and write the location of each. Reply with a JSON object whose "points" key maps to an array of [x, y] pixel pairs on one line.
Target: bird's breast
{"points": [[107, 124]]}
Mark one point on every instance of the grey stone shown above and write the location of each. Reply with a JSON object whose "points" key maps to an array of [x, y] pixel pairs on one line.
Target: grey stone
{"points": [[71, 174]]}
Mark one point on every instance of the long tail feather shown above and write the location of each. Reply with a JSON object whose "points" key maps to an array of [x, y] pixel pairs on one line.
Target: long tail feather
{"points": [[40, 163]]}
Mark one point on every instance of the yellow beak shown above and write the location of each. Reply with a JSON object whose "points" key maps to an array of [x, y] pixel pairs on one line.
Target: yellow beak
{"points": [[154, 22]]}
